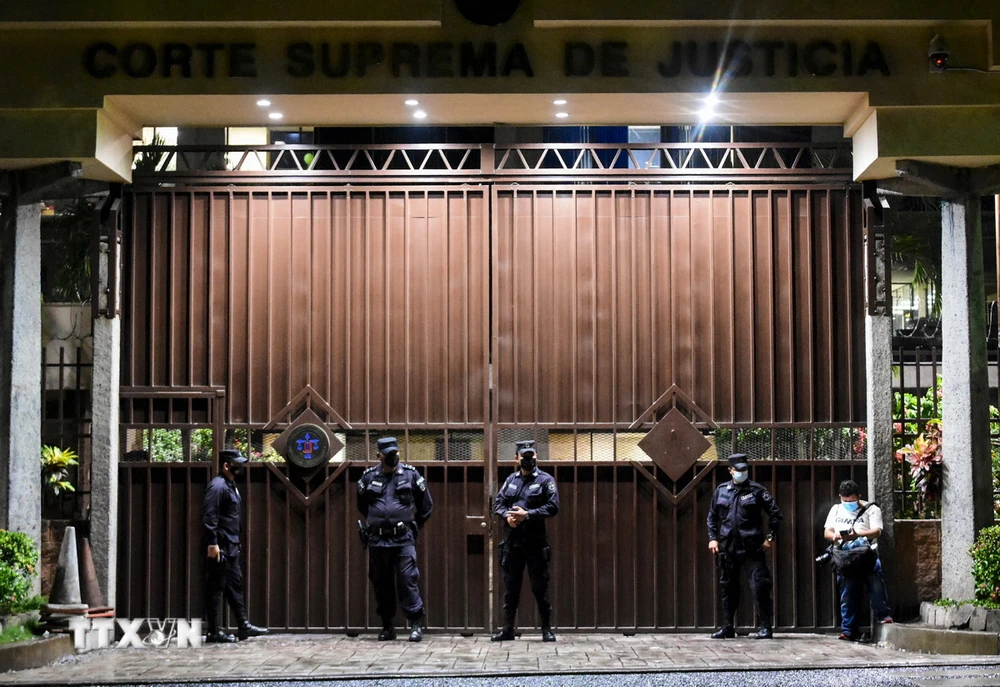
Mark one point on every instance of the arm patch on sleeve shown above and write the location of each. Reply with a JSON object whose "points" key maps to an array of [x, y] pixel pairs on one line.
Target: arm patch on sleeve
{"points": [[421, 484]]}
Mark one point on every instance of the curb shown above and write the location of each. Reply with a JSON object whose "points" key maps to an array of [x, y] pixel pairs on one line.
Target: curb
{"points": [[937, 640], [35, 653]]}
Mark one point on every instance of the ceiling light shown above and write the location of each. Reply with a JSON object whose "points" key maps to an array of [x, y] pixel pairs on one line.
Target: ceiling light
{"points": [[420, 114], [706, 113], [562, 115], [711, 100], [412, 103], [264, 102], [561, 101], [275, 115]]}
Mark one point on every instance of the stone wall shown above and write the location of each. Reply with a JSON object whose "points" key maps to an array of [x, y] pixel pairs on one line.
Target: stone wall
{"points": [[917, 576]]}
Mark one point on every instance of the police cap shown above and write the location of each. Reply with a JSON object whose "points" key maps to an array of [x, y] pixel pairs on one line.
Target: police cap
{"points": [[527, 446], [738, 461], [231, 455], [387, 445]]}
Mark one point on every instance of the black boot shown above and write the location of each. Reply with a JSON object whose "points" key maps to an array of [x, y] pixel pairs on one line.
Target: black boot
{"points": [[547, 634], [417, 629], [219, 637], [504, 634], [388, 632], [725, 632], [763, 633], [246, 630]]}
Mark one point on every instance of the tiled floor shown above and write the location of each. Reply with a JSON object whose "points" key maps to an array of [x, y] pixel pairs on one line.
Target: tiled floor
{"points": [[338, 656]]}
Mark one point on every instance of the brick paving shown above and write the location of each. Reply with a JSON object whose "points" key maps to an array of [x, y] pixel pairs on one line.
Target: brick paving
{"points": [[338, 656]]}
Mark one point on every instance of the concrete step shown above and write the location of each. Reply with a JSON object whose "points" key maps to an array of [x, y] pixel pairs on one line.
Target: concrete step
{"points": [[937, 640]]}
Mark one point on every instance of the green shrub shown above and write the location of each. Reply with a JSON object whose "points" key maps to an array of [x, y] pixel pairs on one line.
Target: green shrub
{"points": [[986, 564], [18, 560]]}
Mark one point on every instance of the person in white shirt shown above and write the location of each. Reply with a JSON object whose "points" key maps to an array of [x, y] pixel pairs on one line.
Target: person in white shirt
{"points": [[845, 528]]}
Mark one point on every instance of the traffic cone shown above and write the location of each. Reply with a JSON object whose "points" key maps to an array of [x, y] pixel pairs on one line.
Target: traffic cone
{"points": [[66, 587]]}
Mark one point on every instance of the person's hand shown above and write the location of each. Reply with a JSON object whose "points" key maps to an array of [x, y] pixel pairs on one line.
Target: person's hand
{"points": [[511, 520], [518, 513], [768, 544], [214, 552], [713, 546]]}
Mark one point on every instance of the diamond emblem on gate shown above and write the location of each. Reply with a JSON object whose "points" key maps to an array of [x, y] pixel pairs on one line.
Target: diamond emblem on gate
{"points": [[674, 444]]}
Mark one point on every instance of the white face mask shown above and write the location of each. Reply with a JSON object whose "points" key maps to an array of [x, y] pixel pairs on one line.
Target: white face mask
{"points": [[740, 476]]}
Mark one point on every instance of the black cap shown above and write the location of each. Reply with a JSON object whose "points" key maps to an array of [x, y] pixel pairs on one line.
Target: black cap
{"points": [[231, 455], [525, 446], [387, 445], [739, 461]]}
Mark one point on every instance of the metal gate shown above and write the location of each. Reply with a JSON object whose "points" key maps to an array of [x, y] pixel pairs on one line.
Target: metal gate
{"points": [[462, 313]]}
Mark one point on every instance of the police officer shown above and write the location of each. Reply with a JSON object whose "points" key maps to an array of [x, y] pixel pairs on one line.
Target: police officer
{"points": [[736, 536], [526, 499], [394, 499], [220, 517]]}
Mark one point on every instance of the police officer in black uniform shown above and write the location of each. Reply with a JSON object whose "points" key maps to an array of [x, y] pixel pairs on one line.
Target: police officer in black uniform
{"points": [[736, 536], [526, 499], [220, 517], [395, 502]]}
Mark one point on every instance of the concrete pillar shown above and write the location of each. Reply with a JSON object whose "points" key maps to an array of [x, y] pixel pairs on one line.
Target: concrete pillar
{"points": [[104, 438], [967, 498], [104, 453], [20, 369], [881, 480]]}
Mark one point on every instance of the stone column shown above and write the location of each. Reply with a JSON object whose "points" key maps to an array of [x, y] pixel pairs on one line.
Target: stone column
{"points": [[20, 369], [104, 453], [105, 429], [881, 480], [967, 498], [878, 367]]}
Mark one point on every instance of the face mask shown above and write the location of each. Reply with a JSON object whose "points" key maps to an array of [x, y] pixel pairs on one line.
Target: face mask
{"points": [[740, 476], [235, 470], [391, 460], [528, 461], [850, 505]]}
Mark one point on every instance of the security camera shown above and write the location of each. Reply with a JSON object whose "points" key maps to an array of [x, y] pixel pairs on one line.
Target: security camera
{"points": [[938, 54]]}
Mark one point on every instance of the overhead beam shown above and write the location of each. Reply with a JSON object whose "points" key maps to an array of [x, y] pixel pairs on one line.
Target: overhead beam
{"points": [[919, 178]]}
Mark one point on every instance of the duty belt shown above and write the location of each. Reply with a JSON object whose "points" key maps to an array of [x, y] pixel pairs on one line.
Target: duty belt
{"points": [[382, 531]]}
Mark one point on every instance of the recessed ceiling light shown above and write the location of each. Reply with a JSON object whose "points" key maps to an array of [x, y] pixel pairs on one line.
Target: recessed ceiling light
{"points": [[420, 114], [561, 101], [712, 99], [412, 103], [264, 102], [275, 115], [706, 114], [562, 115]]}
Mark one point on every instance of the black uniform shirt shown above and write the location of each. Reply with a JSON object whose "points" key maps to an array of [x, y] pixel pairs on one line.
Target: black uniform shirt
{"points": [[536, 493], [220, 515], [397, 497], [735, 518]]}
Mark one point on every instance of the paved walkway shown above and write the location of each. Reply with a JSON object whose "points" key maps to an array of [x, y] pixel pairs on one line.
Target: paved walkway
{"points": [[338, 656]]}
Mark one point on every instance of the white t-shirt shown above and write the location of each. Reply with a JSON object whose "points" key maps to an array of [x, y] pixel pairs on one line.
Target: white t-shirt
{"points": [[840, 519]]}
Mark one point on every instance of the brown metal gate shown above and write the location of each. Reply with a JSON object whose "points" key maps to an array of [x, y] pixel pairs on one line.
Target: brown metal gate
{"points": [[376, 299], [462, 318], [747, 298]]}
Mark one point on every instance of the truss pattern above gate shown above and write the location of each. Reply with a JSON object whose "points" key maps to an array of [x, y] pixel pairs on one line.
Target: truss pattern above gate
{"points": [[303, 163]]}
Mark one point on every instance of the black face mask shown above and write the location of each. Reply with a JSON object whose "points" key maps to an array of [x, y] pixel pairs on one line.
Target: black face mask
{"points": [[391, 459], [235, 469], [528, 461]]}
